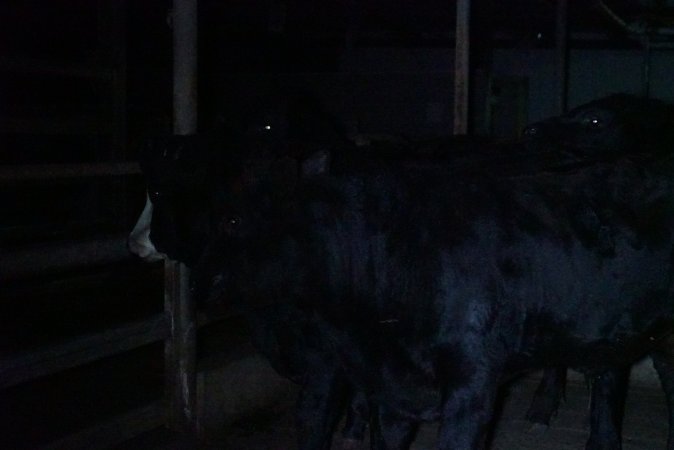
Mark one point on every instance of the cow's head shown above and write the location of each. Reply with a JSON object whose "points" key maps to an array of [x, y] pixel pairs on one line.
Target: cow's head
{"points": [[181, 174], [139, 242], [259, 234], [190, 178], [619, 124]]}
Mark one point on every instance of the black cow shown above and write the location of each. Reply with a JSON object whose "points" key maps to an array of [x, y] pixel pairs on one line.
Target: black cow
{"points": [[208, 187], [182, 174], [186, 192], [434, 288], [612, 127], [185, 186], [615, 125]]}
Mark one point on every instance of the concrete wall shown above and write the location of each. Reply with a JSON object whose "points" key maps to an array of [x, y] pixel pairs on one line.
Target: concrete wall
{"points": [[413, 88], [592, 74], [409, 91]]}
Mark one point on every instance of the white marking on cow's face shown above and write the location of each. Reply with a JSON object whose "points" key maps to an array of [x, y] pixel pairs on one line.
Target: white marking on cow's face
{"points": [[139, 242]]}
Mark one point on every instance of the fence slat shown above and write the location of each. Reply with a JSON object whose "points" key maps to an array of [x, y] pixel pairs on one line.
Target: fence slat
{"points": [[113, 432], [61, 126], [48, 257], [30, 66], [47, 360]]}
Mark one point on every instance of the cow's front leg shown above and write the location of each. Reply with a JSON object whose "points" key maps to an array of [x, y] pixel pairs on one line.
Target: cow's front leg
{"points": [[606, 410], [319, 406], [467, 413], [549, 393], [390, 431]]}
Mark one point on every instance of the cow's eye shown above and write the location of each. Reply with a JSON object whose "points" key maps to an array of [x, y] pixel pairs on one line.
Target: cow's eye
{"points": [[154, 194], [593, 122], [234, 221], [230, 224]]}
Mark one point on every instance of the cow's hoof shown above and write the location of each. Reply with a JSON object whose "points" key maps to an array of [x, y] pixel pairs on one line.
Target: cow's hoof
{"points": [[542, 420], [537, 428], [351, 444], [541, 413], [603, 444]]}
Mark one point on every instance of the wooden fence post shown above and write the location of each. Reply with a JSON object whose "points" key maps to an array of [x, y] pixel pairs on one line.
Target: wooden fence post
{"points": [[180, 348]]}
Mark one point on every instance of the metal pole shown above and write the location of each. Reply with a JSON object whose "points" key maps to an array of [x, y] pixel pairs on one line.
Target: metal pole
{"points": [[462, 67], [184, 66], [561, 41], [180, 349]]}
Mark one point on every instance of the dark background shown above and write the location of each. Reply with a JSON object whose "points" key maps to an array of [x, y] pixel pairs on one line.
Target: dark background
{"points": [[85, 81]]}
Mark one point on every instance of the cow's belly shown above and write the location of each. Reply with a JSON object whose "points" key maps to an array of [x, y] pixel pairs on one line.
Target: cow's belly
{"points": [[592, 312]]}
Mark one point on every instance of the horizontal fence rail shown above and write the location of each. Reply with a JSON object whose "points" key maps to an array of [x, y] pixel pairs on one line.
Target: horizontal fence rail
{"points": [[62, 126], [114, 431], [37, 259], [42, 172], [32, 66]]}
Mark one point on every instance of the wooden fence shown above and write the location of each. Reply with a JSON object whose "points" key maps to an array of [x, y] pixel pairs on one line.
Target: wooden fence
{"points": [[176, 325]]}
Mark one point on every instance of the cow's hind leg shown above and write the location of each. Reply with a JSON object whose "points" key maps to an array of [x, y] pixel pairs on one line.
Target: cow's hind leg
{"points": [[467, 413], [606, 411], [357, 416], [548, 395], [663, 361]]}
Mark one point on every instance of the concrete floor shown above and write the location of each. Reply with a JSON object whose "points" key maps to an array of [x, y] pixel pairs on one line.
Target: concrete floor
{"points": [[645, 425], [271, 428]]}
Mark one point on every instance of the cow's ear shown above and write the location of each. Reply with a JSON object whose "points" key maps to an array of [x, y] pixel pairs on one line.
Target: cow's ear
{"points": [[284, 174], [316, 164]]}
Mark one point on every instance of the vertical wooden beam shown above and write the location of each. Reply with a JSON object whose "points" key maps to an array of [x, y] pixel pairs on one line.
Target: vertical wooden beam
{"points": [[111, 58], [646, 67], [181, 347], [119, 94], [119, 101], [562, 47], [462, 67]]}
